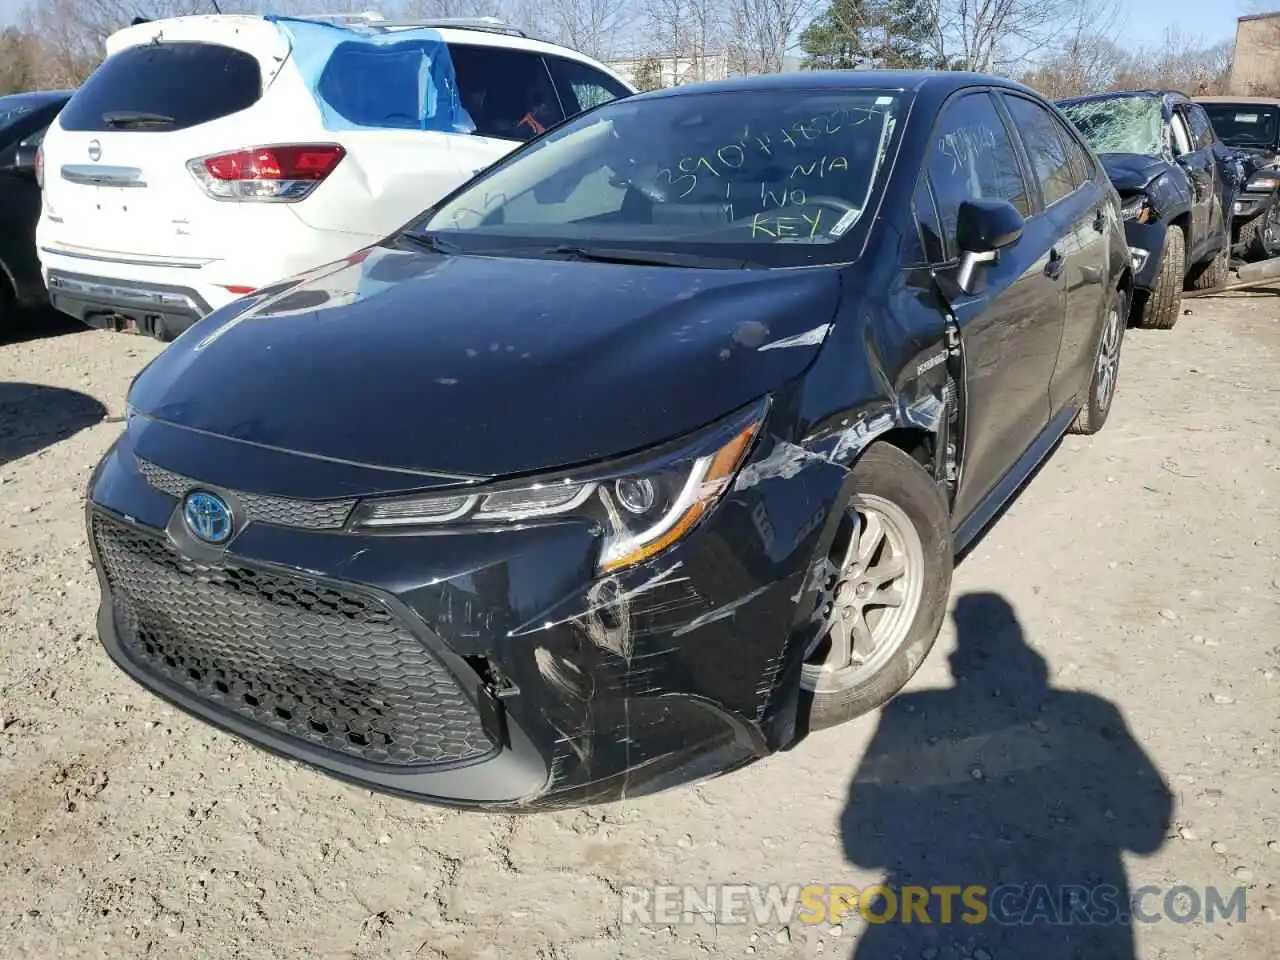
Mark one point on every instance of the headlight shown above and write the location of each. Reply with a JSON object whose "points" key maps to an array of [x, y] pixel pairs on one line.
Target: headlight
{"points": [[1136, 209], [1263, 182], [640, 506]]}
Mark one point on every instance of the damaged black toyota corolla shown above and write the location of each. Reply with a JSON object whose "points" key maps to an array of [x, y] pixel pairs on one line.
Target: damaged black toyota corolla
{"points": [[631, 460]]}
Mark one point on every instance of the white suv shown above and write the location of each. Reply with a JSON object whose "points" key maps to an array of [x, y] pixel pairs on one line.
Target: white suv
{"points": [[209, 156]]}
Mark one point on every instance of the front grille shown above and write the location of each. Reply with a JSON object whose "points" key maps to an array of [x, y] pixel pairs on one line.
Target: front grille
{"points": [[282, 511], [331, 667]]}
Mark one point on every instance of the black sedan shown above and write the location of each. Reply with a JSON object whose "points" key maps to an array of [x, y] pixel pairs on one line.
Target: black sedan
{"points": [[1178, 182], [24, 118], [635, 457]]}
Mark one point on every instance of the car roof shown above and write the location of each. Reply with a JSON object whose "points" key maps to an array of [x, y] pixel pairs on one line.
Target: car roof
{"points": [[941, 82], [37, 98], [1168, 96], [1258, 101], [451, 30]]}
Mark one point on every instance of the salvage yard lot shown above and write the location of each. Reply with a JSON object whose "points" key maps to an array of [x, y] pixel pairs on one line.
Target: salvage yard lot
{"points": [[1142, 565]]}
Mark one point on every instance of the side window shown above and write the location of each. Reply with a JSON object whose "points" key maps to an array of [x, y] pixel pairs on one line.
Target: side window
{"points": [[582, 87], [1201, 128], [1181, 134], [1045, 148], [508, 93], [972, 158], [1081, 166], [930, 247]]}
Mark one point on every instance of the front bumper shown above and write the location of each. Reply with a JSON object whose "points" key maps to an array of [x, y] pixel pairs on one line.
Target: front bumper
{"points": [[479, 669], [1146, 244]]}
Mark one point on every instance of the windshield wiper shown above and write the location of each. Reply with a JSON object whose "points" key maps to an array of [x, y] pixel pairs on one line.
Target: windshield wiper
{"points": [[431, 242], [653, 258], [135, 118]]}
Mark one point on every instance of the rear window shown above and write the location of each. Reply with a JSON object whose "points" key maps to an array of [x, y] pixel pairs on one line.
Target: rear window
{"points": [[165, 86]]}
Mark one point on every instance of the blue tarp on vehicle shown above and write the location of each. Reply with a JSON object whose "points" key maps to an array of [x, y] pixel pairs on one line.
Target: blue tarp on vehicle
{"points": [[365, 78]]}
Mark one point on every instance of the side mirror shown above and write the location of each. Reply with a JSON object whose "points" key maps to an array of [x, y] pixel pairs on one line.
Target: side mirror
{"points": [[983, 229]]}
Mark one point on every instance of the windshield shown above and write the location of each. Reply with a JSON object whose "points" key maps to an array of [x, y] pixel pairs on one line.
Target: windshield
{"points": [[774, 177], [1120, 124], [1244, 125]]}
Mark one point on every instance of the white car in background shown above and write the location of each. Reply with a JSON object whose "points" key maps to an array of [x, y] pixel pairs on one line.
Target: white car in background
{"points": [[210, 156]]}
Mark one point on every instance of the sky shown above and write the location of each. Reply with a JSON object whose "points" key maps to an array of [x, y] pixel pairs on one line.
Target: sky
{"points": [[1145, 21]]}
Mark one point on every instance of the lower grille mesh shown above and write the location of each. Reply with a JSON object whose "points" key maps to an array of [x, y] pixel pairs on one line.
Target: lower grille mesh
{"points": [[333, 668]]}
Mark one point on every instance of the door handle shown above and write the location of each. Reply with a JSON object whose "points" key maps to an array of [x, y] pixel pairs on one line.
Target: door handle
{"points": [[1053, 269]]}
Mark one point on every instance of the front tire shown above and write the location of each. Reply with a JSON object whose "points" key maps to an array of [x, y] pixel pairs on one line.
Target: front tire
{"points": [[889, 580], [1260, 237], [1162, 306], [1106, 369]]}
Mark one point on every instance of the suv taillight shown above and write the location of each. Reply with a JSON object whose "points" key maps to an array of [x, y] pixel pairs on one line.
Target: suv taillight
{"points": [[285, 173], [40, 166]]}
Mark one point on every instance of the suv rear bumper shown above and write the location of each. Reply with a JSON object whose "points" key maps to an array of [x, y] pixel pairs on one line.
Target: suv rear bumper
{"points": [[158, 310]]}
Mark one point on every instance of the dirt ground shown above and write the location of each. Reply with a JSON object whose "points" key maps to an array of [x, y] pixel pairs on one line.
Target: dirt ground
{"points": [[1141, 565]]}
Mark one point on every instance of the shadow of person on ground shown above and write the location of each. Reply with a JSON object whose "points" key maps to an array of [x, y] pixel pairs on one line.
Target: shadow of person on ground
{"points": [[1006, 783], [33, 417]]}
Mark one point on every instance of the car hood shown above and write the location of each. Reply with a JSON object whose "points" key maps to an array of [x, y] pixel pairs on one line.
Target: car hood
{"points": [[1132, 171], [478, 366]]}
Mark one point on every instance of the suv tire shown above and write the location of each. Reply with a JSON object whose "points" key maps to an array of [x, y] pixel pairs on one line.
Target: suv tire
{"points": [[1211, 275], [910, 509], [1260, 237], [1161, 307]]}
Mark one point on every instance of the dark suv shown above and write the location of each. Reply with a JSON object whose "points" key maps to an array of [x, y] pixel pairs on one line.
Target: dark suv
{"points": [[1177, 181], [24, 118], [1251, 125]]}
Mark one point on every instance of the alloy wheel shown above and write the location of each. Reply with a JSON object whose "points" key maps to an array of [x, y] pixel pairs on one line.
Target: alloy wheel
{"points": [[872, 595], [1108, 360]]}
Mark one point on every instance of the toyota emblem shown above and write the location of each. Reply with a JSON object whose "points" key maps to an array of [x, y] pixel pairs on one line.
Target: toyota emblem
{"points": [[95, 151]]}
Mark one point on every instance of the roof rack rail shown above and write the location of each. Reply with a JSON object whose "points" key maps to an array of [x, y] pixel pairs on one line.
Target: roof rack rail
{"points": [[371, 19]]}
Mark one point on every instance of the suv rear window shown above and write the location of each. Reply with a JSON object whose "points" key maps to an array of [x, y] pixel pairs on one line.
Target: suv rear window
{"points": [[186, 84]]}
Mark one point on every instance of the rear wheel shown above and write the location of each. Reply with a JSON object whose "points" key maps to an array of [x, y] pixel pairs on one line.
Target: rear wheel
{"points": [[1160, 309], [1212, 275], [1106, 368], [888, 581]]}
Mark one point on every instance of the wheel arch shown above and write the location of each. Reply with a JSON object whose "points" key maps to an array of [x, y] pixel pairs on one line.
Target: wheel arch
{"points": [[917, 442]]}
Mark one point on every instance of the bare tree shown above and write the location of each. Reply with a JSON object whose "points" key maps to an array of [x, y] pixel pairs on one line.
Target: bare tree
{"points": [[1088, 58], [1179, 63], [759, 32], [991, 36], [431, 9], [669, 23], [594, 27], [17, 61]]}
